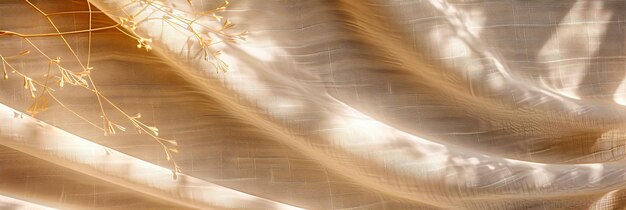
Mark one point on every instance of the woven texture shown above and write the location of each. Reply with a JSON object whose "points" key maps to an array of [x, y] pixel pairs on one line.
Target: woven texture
{"points": [[330, 104]]}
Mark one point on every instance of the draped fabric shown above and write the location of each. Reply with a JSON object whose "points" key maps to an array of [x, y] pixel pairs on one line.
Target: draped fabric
{"points": [[327, 104]]}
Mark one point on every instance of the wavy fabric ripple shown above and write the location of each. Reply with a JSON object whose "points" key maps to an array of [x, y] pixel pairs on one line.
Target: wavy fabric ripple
{"points": [[389, 104]]}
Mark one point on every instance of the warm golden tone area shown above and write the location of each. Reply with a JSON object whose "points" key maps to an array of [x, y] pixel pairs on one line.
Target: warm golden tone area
{"points": [[312, 104]]}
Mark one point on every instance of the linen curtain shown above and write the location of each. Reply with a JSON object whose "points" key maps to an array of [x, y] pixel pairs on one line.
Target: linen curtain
{"points": [[312, 104]]}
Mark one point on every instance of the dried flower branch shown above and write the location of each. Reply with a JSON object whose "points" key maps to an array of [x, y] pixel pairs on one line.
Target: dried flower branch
{"points": [[82, 78], [180, 20]]}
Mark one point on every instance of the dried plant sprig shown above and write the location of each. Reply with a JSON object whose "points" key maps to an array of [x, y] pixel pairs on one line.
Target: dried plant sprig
{"points": [[72, 78], [76, 79], [82, 78], [181, 20], [11, 33], [5, 64], [109, 126]]}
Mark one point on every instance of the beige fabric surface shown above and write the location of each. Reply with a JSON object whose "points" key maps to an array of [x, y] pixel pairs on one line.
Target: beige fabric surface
{"points": [[328, 104]]}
